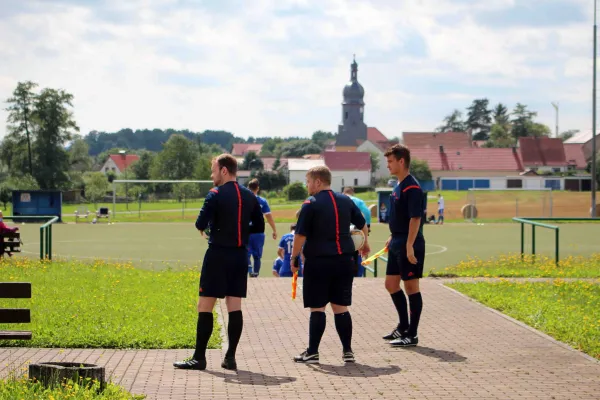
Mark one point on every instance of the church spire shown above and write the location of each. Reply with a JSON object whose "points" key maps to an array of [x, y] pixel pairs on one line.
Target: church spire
{"points": [[354, 69]]}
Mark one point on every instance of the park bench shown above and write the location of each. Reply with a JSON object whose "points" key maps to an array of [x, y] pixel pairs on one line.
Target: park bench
{"points": [[15, 290], [82, 212], [10, 242]]}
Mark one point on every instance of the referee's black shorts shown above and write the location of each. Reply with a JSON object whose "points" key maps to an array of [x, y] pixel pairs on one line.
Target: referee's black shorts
{"points": [[398, 263], [328, 280], [224, 272]]}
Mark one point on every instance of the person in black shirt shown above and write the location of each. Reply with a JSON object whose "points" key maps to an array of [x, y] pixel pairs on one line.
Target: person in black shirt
{"points": [[227, 212], [323, 229], [406, 247]]}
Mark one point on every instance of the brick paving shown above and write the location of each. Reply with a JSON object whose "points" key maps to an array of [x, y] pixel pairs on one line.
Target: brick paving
{"points": [[466, 351]]}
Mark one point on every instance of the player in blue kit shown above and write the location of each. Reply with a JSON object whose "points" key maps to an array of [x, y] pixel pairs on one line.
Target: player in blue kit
{"points": [[406, 246], [256, 242], [232, 212], [285, 253]]}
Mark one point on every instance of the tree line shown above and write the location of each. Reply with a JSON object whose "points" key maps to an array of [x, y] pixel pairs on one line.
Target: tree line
{"points": [[497, 126]]}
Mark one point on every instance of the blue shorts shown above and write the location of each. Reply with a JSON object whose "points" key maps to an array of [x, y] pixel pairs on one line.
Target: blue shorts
{"points": [[398, 263], [441, 211], [256, 242]]}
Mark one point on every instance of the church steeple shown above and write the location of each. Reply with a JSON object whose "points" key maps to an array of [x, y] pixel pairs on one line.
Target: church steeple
{"points": [[352, 130], [354, 70]]}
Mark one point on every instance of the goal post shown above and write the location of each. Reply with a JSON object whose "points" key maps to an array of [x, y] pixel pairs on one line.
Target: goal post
{"points": [[157, 190], [508, 203]]}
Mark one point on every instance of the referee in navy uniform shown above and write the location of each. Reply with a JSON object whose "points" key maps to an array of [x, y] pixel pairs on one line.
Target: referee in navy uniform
{"points": [[323, 229], [228, 209], [406, 247]]}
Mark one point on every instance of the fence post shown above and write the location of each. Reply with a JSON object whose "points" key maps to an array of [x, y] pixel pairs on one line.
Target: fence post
{"points": [[556, 242], [522, 240], [375, 269], [551, 204], [50, 242], [47, 242], [41, 243], [533, 242]]}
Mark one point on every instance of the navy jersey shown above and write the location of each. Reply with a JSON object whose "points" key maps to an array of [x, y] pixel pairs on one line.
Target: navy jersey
{"points": [[325, 221], [406, 202], [233, 212]]}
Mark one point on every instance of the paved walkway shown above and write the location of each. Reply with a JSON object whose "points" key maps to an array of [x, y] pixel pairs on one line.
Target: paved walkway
{"points": [[466, 352]]}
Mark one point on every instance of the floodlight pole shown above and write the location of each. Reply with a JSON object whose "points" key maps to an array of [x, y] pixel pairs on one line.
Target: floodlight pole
{"points": [[555, 105], [594, 177]]}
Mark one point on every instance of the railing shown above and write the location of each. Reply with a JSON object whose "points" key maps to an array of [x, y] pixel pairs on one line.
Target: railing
{"points": [[45, 232], [533, 222], [374, 269]]}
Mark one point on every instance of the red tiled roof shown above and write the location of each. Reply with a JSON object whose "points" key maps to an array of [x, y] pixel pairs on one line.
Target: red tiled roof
{"points": [[240, 149], [542, 151], [436, 139], [269, 161], [574, 155], [469, 159], [375, 135], [312, 156], [124, 160], [347, 160]]}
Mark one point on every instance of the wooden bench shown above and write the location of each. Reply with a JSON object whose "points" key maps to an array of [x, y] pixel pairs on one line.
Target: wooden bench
{"points": [[10, 242], [15, 290]]}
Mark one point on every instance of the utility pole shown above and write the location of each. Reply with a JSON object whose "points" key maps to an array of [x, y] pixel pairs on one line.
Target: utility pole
{"points": [[555, 105], [594, 122]]}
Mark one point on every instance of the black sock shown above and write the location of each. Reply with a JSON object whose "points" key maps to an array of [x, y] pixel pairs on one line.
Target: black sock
{"points": [[234, 332], [203, 332], [315, 331], [416, 305], [343, 325], [399, 300]]}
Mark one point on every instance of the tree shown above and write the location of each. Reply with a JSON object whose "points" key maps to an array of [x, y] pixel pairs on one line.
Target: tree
{"points": [[522, 121], [566, 135], [270, 180], [453, 123], [25, 182], [79, 158], [252, 162], [295, 191], [277, 163], [20, 110], [479, 118], [55, 126], [5, 194], [321, 137], [141, 167], [536, 129], [14, 156], [203, 167], [420, 170], [298, 148], [374, 162], [501, 116], [96, 186], [500, 137], [176, 161], [185, 191], [269, 146]]}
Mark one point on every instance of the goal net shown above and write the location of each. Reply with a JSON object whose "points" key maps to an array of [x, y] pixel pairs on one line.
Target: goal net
{"points": [[132, 196], [508, 203]]}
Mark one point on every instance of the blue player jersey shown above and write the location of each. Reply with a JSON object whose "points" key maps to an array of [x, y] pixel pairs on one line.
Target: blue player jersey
{"points": [[286, 243], [264, 205], [277, 265], [406, 202]]}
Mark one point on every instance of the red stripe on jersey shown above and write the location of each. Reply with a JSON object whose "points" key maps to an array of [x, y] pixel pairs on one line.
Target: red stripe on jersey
{"points": [[410, 187], [239, 214], [214, 190], [337, 224]]}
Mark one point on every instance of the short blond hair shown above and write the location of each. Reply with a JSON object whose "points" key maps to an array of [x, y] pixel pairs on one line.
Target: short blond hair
{"points": [[321, 173]]}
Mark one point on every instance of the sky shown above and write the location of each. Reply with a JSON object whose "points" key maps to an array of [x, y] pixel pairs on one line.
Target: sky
{"points": [[278, 67]]}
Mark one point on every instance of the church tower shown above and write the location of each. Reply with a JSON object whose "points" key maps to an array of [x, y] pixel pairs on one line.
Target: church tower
{"points": [[352, 129]]}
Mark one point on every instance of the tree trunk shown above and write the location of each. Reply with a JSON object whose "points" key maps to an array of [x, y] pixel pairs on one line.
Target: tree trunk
{"points": [[54, 373]]}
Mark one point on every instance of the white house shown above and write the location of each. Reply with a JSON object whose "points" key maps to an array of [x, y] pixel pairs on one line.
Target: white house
{"points": [[348, 168], [370, 147], [298, 167], [118, 163]]}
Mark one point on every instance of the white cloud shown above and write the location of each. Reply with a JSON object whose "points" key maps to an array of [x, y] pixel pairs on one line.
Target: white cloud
{"points": [[279, 67]]}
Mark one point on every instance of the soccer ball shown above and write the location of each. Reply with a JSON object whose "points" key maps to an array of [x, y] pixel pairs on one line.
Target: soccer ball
{"points": [[358, 238]]}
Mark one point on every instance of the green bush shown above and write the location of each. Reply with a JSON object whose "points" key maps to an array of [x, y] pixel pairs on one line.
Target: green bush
{"points": [[295, 191]]}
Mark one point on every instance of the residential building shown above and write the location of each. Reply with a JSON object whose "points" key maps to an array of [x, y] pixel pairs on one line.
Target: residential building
{"points": [[298, 167], [118, 163], [348, 168], [241, 149], [543, 154]]}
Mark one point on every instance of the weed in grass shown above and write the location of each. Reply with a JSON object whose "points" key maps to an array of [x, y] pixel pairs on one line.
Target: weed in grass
{"points": [[105, 305]]}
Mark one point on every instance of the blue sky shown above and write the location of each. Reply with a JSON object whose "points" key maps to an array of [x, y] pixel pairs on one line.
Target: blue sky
{"points": [[278, 67]]}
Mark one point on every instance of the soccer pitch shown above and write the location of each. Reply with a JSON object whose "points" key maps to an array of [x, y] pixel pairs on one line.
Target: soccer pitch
{"points": [[178, 245]]}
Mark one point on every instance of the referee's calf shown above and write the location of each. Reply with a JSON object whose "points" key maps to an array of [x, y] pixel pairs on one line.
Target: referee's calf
{"points": [[323, 229], [228, 209]]}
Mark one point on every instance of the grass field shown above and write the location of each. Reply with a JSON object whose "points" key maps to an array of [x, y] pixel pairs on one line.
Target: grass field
{"points": [[567, 311], [160, 245], [102, 305]]}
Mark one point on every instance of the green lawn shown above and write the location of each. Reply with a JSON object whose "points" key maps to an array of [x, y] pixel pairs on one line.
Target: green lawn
{"points": [[104, 305], [24, 389], [567, 311], [513, 266]]}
